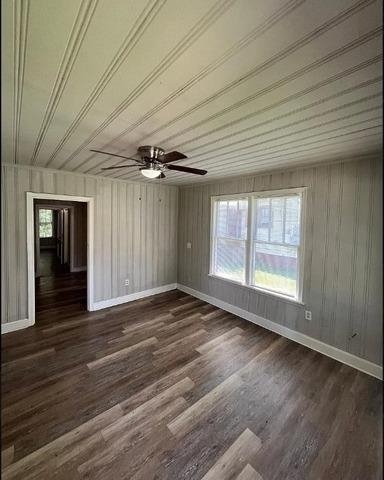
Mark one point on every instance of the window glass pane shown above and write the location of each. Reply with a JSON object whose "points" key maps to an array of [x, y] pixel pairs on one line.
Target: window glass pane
{"points": [[275, 268], [231, 219], [229, 260], [277, 224], [292, 220], [45, 230], [262, 218], [274, 250], [45, 216], [277, 219]]}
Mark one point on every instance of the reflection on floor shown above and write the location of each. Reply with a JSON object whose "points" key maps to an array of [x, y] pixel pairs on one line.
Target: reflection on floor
{"points": [[58, 290], [171, 388]]}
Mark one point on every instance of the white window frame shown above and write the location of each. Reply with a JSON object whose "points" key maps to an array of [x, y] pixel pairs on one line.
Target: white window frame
{"points": [[302, 191]]}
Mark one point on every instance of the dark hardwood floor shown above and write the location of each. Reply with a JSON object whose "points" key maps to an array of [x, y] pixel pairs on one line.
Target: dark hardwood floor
{"points": [[170, 387], [58, 292]]}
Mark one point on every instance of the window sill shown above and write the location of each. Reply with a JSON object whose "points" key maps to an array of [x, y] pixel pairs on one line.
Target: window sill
{"points": [[278, 296]]}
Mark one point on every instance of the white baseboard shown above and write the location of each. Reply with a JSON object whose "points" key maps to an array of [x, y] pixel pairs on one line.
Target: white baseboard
{"points": [[17, 325], [352, 360], [79, 269], [133, 296]]}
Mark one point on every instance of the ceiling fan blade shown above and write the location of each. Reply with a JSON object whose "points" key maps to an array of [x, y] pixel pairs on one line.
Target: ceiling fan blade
{"points": [[173, 156], [179, 168], [115, 155], [118, 166]]}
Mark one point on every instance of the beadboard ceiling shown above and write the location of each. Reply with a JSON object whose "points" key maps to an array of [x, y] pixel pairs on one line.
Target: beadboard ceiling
{"points": [[240, 86]]}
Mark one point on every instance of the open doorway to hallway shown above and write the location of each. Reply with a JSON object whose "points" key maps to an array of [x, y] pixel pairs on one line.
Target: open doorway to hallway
{"points": [[60, 237]]}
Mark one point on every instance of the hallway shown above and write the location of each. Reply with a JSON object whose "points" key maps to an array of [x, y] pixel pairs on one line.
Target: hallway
{"points": [[59, 293]]}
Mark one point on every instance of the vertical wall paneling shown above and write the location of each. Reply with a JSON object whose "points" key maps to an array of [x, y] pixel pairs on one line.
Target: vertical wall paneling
{"points": [[128, 235], [373, 315], [330, 267], [343, 253], [11, 258], [4, 254], [21, 185]]}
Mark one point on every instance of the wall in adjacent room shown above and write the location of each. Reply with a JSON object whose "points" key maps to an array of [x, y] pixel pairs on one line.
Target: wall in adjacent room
{"points": [[135, 233], [79, 223], [343, 254]]}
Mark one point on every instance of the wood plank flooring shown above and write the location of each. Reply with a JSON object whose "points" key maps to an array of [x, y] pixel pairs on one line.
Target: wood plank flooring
{"points": [[169, 387], [57, 289]]}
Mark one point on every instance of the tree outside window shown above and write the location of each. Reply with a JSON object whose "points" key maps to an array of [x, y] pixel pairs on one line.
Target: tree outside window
{"points": [[45, 223]]}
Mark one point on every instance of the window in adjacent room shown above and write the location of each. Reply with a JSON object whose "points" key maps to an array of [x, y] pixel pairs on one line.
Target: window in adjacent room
{"points": [[257, 240], [45, 223]]}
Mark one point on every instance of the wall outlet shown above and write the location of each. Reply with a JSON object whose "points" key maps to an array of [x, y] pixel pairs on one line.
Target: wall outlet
{"points": [[126, 282], [308, 315], [189, 245]]}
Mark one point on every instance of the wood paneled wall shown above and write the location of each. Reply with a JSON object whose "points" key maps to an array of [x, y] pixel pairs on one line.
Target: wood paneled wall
{"points": [[343, 255], [135, 233]]}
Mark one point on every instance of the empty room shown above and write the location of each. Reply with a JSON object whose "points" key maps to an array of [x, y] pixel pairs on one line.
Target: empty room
{"points": [[191, 240]]}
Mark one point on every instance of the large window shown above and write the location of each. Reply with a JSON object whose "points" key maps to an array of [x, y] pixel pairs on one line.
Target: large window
{"points": [[45, 223], [257, 240]]}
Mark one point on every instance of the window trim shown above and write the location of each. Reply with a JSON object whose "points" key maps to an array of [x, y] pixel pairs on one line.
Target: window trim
{"points": [[302, 191]]}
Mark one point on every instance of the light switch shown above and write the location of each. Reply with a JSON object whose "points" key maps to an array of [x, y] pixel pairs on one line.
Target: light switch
{"points": [[189, 245]]}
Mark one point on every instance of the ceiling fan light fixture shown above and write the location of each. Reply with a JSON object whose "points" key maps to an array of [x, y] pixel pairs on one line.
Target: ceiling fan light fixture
{"points": [[150, 172]]}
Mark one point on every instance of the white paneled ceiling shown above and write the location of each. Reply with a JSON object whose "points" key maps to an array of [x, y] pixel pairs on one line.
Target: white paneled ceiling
{"points": [[239, 86]]}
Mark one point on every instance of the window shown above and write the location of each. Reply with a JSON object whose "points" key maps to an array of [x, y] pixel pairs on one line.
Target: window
{"points": [[230, 239], [45, 223], [257, 240]]}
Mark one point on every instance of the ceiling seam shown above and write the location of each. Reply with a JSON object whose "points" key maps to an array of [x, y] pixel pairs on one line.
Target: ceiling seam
{"points": [[75, 40], [258, 69], [142, 23], [279, 167], [224, 161], [295, 96], [20, 37], [68, 172], [251, 156], [309, 143], [334, 21], [293, 76], [350, 46], [335, 109], [303, 92], [202, 25], [297, 122], [211, 67], [286, 166]]}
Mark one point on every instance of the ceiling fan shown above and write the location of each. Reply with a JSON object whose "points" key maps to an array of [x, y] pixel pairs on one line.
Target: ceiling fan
{"points": [[154, 161]]}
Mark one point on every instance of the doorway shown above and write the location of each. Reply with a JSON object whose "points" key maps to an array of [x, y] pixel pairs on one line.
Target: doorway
{"points": [[60, 256]]}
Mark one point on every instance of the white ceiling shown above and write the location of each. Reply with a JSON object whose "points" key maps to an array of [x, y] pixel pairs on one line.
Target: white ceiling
{"points": [[240, 86]]}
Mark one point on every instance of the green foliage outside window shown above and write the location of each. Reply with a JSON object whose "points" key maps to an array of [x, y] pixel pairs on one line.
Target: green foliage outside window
{"points": [[45, 223]]}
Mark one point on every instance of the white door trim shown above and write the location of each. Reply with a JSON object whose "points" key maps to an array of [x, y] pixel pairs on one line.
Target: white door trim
{"points": [[31, 196]]}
